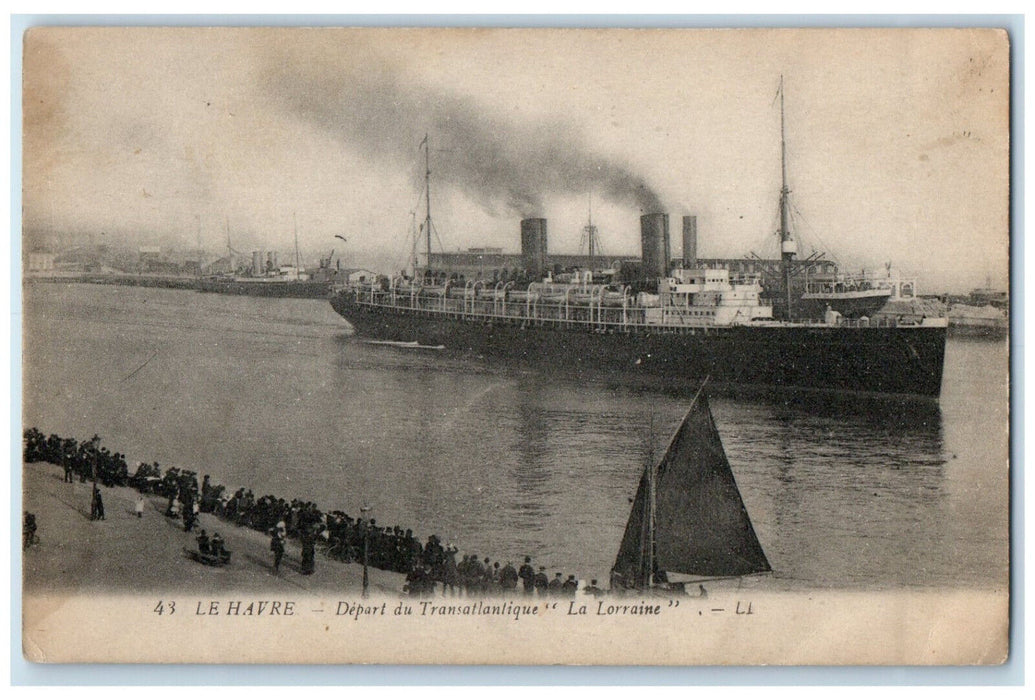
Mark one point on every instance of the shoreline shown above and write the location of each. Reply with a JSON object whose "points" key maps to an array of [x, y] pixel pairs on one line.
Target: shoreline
{"points": [[75, 554], [125, 279], [147, 554]]}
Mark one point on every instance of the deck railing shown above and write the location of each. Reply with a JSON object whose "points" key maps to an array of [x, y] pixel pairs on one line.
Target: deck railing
{"points": [[593, 314]]}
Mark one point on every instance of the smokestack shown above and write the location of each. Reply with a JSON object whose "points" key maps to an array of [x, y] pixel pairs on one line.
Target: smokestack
{"points": [[654, 242], [533, 247], [257, 263], [689, 241]]}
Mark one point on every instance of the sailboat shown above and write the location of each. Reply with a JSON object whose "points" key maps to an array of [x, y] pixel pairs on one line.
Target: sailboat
{"points": [[688, 517]]}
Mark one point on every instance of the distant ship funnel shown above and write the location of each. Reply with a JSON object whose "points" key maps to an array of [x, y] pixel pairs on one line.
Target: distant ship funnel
{"points": [[655, 246], [533, 247]]}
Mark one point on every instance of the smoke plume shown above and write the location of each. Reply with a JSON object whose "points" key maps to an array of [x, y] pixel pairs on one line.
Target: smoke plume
{"points": [[497, 162]]}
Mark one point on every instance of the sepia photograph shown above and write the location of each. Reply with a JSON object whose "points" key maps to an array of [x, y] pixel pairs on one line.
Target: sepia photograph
{"points": [[516, 346]]}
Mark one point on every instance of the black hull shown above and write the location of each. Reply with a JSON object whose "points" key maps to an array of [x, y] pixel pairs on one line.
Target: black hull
{"points": [[880, 361], [293, 290]]}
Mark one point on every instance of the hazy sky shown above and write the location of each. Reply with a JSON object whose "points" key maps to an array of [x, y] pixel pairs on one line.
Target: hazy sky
{"points": [[897, 141]]}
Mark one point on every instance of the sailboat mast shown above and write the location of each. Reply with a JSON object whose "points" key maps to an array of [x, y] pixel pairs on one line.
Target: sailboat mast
{"points": [[652, 523], [647, 562], [427, 195], [786, 240]]}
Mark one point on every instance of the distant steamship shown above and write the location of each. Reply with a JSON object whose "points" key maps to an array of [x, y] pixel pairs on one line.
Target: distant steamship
{"points": [[673, 323], [267, 278]]}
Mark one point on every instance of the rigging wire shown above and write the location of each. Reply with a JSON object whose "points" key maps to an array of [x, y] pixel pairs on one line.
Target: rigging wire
{"points": [[408, 235], [824, 248]]}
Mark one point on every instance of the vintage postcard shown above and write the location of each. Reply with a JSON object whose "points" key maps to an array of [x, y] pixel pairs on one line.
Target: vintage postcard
{"points": [[516, 346]]}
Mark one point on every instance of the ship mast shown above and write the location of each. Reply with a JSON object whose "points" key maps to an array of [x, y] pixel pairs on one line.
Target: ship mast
{"points": [[427, 196], [787, 246], [229, 248], [589, 233], [413, 243], [294, 216], [200, 252]]}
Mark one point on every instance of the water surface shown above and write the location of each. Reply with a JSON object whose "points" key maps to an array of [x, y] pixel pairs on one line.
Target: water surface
{"points": [[276, 394]]}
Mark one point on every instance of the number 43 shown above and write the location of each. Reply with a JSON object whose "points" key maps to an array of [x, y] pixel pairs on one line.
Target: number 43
{"points": [[166, 607]]}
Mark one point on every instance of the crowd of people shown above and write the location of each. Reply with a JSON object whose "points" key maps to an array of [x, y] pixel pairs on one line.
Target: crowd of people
{"points": [[82, 460], [429, 567]]}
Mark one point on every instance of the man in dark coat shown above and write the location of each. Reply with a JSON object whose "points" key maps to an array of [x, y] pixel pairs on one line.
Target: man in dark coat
{"points": [[308, 552], [542, 581], [450, 572], [527, 575], [277, 547], [508, 579], [418, 581], [97, 506], [475, 576], [188, 512], [556, 584]]}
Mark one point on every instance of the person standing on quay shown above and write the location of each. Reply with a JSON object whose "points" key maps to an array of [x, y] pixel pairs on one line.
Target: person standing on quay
{"points": [[527, 575], [508, 579], [96, 505], [542, 581], [139, 507], [188, 510], [308, 552], [277, 547]]}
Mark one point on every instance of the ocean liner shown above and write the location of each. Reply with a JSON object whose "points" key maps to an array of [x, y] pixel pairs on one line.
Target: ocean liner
{"points": [[662, 323]]}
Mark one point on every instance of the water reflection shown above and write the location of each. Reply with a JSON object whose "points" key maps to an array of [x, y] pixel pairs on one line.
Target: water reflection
{"points": [[530, 475]]}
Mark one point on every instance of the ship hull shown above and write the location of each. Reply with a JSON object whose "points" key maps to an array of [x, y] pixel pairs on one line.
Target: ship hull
{"points": [[878, 360], [294, 289]]}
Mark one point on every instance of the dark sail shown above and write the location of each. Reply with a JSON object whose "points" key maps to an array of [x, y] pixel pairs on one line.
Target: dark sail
{"points": [[635, 561], [701, 524]]}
